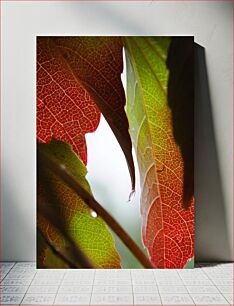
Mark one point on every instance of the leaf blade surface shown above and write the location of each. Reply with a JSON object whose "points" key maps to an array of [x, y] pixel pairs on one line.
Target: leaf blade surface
{"points": [[90, 233], [167, 228], [79, 77]]}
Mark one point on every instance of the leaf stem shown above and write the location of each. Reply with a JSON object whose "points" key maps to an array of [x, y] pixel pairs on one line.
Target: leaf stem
{"points": [[52, 214], [92, 203]]}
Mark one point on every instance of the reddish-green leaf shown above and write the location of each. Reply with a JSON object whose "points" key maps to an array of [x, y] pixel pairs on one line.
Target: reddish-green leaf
{"points": [[167, 227], [87, 229]]}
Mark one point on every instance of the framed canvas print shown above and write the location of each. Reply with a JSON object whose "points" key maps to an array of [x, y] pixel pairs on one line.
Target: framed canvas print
{"points": [[142, 90]]}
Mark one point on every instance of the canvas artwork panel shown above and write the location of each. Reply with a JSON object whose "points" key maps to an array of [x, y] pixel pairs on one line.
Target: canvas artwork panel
{"points": [[151, 115]]}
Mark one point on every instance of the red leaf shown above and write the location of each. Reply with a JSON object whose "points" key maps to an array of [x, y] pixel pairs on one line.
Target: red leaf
{"points": [[74, 74], [65, 109]]}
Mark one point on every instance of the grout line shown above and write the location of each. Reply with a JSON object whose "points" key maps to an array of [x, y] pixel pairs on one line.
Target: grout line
{"points": [[216, 286], [14, 263], [9, 271], [133, 300], [92, 287], [205, 272], [28, 287], [186, 287], [157, 288], [59, 287]]}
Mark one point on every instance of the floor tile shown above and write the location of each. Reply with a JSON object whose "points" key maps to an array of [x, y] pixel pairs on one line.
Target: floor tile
{"points": [[196, 282], [73, 277], [202, 289], [4, 270], [22, 270], [115, 276], [111, 299], [162, 276], [147, 299], [143, 282], [209, 299], [80, 271], [222, 275], [42, 289], [145, 289], [13, 289], [165, 272], [207, 285], [65, 289], [72, 299], [77, 283], [113, 282], [145, 278], [169, 282], [6, 264], [142, 273], [190, 277], [176, 299], [164, 289], [51, 271], [38, 299], [3, 275], [16, 282], [192, 274], [26, 264], [229, 297], [11, 299], [112, 289], [46, 282], [225, 289], [19, 276], [114, 273], [223, 282], [50, 277]]}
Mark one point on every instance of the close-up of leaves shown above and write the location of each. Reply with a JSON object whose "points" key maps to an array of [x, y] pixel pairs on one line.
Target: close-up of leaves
{"points": [[78, 81]]}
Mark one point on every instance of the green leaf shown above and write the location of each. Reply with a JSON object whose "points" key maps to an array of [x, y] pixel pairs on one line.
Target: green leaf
{"points": [[89, 231], [167, 227]]}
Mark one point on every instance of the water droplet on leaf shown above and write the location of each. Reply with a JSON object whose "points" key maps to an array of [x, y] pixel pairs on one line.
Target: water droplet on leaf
{"points": [[93, 214]]}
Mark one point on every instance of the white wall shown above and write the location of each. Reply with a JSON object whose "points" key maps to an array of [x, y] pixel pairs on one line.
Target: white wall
{"points": [[210, 22]]}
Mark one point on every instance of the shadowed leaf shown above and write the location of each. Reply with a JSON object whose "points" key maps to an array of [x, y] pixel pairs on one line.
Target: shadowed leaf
{"points": [[67, 177], [167, 228], [91, 234], [180, 63]]}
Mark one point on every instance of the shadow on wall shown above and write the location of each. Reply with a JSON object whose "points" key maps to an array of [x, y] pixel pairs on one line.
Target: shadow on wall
{"points": [[211, 232]]}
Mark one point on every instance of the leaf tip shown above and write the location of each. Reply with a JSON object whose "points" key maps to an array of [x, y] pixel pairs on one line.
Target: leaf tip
{"points": [[131, 195]]}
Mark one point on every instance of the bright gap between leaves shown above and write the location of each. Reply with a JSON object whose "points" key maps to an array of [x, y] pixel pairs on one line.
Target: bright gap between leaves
{"points": [[110, 182]]}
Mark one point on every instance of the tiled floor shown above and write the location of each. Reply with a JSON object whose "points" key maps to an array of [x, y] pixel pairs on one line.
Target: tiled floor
{"points": [[208, 284]]}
